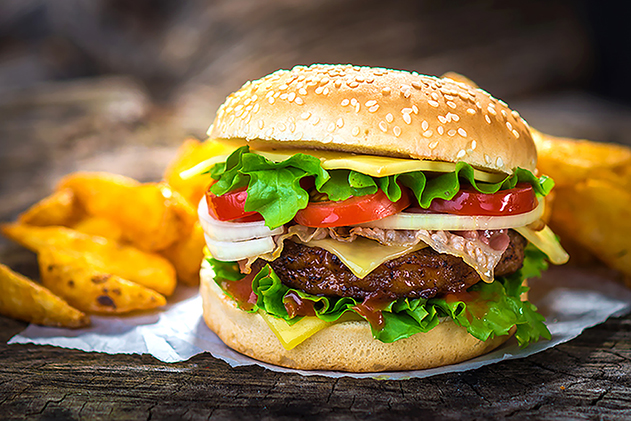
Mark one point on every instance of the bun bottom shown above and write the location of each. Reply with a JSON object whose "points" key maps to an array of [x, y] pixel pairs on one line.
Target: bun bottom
{"points": [[346, 346]]}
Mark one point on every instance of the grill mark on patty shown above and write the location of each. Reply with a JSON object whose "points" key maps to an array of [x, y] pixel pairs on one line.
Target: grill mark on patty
{"points": [[420, 274]]}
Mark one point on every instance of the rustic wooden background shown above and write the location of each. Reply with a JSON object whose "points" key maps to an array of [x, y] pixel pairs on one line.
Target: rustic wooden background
{"points": [[116, 85]]}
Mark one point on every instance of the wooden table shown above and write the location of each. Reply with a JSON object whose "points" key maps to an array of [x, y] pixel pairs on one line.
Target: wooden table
{"points": [[588, 377]]}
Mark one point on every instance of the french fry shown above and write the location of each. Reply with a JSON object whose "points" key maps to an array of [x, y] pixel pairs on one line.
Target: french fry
{"points": [[148, 269], [60, 208], [191, 153], [89, 289], [23, 299], [187, 255], [152, 216]]}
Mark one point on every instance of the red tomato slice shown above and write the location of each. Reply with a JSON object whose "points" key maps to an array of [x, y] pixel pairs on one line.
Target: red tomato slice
{"points": [[469, 201], [230, 206], [354, 210]]}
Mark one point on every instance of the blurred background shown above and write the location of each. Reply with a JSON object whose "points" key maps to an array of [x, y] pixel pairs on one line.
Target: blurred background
{"points": [[116, 85]]}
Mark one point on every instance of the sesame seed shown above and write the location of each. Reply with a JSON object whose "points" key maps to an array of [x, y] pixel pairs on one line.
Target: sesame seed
{"points": [[353, 84], [415, 109], [339, 123], [256, 108], [451, 104], [407, 118], [416, 85], [284, 96], [355, 131], [433, 145], [504, 113], [325, 91], [283, 87], [370, 103], [397, 131], [358, 106], [451, 132], [492, 110], [292, 127], [328, 138], [315, 120], [515, 114], [442, 119], [354, 102], [424, 125], [331, 127], [433, 103], [499, 162], [515, 133], [319, 90], [261, 124], [509, 126], [302, 91], [471, 111], [271, 100], [477, 104], [291, 96], [462, 132], [487, 158], [345, 102], [461, 153], [305, 115], [338, 84], [383, 126], [231, 119], [299, 101], [473, 144], [449, 97], [389, 118], [434, 96], [269, 94], [428, 133], [269, 132], [455, 117], [374, 108], [386, 91], [441, 130], [282, 127], [276, 95]]}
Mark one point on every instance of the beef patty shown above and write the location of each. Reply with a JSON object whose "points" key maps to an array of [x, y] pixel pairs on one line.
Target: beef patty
{"points": [[421, 274]]}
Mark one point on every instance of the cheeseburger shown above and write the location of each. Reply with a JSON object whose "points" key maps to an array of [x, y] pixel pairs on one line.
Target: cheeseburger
{"points": [[372, 219]]}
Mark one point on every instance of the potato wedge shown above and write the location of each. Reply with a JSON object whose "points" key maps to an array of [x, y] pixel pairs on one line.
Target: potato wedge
{"points": [[102, 227], [597, 215], [151, 216], [191, 153], [60, 208], [187, 255], [91, 290], [148, 269], [23, 299]]}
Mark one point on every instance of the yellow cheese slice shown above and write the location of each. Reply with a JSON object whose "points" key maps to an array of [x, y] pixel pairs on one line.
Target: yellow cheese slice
{"points": [[375, 166], [546, 241], [362, 256], [291, 336]]}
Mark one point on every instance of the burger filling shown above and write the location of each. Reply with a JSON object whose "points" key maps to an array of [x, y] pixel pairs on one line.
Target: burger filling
{"points": [[403, 250]]}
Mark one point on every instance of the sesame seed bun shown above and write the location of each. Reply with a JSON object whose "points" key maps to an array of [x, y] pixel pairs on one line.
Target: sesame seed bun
{"points": [[346, 346], [377, 111]]}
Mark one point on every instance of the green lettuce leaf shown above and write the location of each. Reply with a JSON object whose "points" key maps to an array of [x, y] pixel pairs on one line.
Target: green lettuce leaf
{"points": [[491, 309], [274, 189]]}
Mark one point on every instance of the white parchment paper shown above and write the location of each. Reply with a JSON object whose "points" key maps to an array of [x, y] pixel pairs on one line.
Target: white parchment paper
{"points": [[572, 300]]}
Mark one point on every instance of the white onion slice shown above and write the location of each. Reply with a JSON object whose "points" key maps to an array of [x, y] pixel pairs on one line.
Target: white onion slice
{"points": [[447, 222], [232, 231], [230, 251]]}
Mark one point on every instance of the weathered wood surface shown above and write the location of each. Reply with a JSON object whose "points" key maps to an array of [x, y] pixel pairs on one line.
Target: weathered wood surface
{"points": [[49, 132]]}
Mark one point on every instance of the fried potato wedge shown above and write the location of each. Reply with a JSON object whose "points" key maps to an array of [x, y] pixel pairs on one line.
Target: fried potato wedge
{"points": [[99, 226], [89, 289], [191, 153], [596, 214], [148, 269], [60, 208], [151, 216], [569, 161], [23, 299], [187, 255]]}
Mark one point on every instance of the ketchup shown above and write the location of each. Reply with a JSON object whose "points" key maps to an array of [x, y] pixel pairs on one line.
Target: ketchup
{"points": [[241, 291], [371, 310], [298, 306]]}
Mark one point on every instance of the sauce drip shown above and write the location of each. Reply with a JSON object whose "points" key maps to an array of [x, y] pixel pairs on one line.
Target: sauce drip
{"points": [[297, 306], [241, 291], [371, 310]]}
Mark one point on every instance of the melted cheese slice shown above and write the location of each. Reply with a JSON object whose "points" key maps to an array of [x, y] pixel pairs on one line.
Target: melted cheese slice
{"points": [[291, 336], [362, 256], [546, 241], [375, 166]]}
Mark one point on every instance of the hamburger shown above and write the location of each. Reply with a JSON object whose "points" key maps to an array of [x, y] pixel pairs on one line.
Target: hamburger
{"points": [[372, 219]]}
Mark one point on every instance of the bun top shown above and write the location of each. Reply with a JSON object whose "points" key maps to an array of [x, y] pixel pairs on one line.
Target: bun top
{"points": [[377, 111]]}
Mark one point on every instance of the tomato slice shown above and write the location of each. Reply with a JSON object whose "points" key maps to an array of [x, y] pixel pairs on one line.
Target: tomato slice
{"points": [[469, 201], [230, 206], [354, 210]]}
